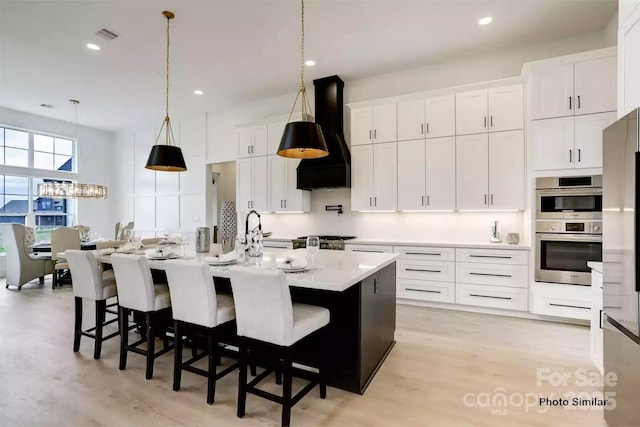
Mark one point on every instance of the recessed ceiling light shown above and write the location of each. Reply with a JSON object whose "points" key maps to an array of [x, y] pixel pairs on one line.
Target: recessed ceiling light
{"points": [[93, 46], [486, 20], [46, 105], [198, 92], [309, 62]]}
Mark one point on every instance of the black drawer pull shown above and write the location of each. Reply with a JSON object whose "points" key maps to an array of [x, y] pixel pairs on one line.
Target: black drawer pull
{"points": [[423, 290], [367, 250], [490, 256], [423, 253], [488, 296], [569, 306], [426, 271], [488, 274]]}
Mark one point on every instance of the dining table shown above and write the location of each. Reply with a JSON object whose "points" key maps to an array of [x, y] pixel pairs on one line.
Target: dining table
{"points": [[358, 288]]}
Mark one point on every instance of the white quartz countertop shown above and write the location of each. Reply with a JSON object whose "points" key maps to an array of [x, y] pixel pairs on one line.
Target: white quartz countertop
{"points": [[333, 271], [595, 265], [399, 242]]}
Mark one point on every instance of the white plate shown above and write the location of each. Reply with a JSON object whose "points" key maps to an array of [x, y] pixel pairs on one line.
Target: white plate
{"points": [[218, 263], [293, 270], [159, 257]]}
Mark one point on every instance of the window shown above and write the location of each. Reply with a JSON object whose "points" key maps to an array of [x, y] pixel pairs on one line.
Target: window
{"points": [[15, 147], [52, 153], [50, 213], [14, 200]]}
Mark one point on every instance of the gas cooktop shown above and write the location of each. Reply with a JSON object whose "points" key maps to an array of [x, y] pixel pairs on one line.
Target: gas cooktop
{"points": [[329, 237], [326, 242]]}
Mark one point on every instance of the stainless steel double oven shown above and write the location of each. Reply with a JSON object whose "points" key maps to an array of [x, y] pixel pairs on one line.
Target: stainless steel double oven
{"points": [[568, 228]]}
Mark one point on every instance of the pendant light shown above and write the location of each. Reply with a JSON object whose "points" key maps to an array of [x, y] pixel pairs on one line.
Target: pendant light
{"points": [[166, 157], [302, 139]]}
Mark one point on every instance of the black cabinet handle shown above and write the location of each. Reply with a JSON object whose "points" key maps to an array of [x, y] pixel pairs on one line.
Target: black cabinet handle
{"points": [[569, 103], [489, 296], [375, 133], [423, 290], [485, 199], [491, 122], [367, 250], [579, 155], [375, 285], [490, 256], [427, 127], [421, 128], [600, 318], [578, 101], [569, 306], [426, 271], [485, 121], [570, 156], [422, 200], [489, 274], [370, 134], [423, 253]]}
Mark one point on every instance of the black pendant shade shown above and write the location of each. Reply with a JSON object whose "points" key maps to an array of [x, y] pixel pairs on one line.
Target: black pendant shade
{"points": [[166, 158], [302, 140]]}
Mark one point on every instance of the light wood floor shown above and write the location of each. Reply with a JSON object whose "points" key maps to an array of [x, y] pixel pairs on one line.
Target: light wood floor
{"points": [[440, 356]]}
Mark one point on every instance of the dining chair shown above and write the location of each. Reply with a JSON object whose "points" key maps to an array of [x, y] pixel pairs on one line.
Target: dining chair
{"points": [[22, 266], [88, 283], [198, 309], [138, 294], [125, 231], [62, 238], [270, 327]]}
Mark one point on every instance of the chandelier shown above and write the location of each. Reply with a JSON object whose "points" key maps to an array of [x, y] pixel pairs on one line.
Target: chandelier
{"points": [[70, 190]]}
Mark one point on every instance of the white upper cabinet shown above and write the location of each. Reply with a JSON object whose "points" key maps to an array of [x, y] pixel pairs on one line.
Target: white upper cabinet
{"points": [[595, 85], [552, 92], [490, 110], [412, 164], [552, 141], [441, 116], [629, 51], [251, 184], [274, 132], [472, 171], [440, 174], [374, 124], [260, 168], [252, 141], [283, 194], [506, 108], [471, 112], [244, 185], [362, 177], [296, 200], [585, 87], [433, 117], [588, 139], [506, 170], [374, 177]]}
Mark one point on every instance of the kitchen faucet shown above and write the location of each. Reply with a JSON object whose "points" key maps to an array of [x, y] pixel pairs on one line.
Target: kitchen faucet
{"points": [[250, 235]]}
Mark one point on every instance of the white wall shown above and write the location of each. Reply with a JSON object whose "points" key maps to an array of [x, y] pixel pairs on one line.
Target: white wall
{"points": [[95, 163]]}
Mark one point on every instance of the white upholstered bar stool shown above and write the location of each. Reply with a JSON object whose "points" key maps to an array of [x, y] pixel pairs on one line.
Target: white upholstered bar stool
{"points": [[138, 294], [197, 309], [89, 284], [269, 328]]}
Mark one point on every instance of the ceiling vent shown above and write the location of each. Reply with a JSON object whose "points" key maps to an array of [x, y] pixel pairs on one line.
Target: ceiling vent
{"points": [[106, 34]]}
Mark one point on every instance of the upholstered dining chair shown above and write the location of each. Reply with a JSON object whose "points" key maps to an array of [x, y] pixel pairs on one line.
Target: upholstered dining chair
{"points": [[138, 294], [88, 283], [22, 266], [62, 238], [270, 327], [197, 309]]}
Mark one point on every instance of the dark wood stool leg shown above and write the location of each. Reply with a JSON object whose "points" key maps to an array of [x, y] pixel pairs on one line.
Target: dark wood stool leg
{"points": [[54, 279], [242, 380], [101, 312], [124, 336], [212, 346], [278, 376], [151, 344], [286, 387], [77, 329], [177, 360], [40, 281], [322, 368]]}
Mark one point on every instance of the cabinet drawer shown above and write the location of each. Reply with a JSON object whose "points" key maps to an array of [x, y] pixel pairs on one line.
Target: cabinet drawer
{"points": [[492, 296], [369, 248], [570, 301], [426, 253], [426, 290], [492, 274], [438, 271], [492, 256]]}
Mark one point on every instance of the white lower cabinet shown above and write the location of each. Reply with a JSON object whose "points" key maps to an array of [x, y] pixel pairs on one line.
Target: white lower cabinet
{"points": [[424, 290], [492, 296], [368, 248], [554, 299], [426, 273]]}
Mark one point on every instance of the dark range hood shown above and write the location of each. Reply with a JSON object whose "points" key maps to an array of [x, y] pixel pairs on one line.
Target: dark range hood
{"points": [[334, 170]]}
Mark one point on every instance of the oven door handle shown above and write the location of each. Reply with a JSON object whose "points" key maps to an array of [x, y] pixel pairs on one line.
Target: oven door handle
{"points": [[568, 237], [595, 191]]}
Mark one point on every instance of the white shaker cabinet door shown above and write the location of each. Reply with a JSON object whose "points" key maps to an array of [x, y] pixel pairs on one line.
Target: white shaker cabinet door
{"points": [[440, 116], [260, 186], [411, 175], [552, 92], [552, 143], [244, 185], [440, 173], [506, 108], [362, 177], [596, 85], [472, 172], [411, 119], [295, 200], [274, 132], [277, 183], [361, 126], [588, 138], [385, 176], [245, 138], [471, 112], [506, 170], [260, 141], [385, 123]]}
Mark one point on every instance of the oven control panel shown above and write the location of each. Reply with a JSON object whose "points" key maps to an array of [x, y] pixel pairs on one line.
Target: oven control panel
{"points": [[573, 227]]}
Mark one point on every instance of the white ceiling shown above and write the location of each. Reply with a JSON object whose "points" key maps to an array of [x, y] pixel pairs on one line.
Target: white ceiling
{"points": [[241, 50]]}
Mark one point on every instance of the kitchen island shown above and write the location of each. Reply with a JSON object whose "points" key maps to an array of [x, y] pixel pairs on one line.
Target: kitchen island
{"points": [[359, 289]]}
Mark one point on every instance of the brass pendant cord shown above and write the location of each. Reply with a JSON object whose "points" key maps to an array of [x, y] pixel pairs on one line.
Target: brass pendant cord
{"points": [[169, 139], [306, 107]]}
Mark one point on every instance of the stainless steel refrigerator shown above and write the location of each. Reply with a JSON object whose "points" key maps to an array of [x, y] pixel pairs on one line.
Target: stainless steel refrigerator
{"points": [[621, 263]]}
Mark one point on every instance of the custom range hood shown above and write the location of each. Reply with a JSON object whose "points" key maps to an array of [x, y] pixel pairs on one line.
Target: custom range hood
{"points": [[334, 170]]}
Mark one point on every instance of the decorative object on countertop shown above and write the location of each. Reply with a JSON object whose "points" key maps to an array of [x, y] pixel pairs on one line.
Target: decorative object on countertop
{"points": [[166, 157], [496, 235], [313, 247], [513, 238], [228, 227], [203, 239], [302, 139], [254, 236], [334, 208]]}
